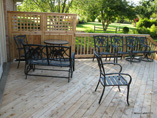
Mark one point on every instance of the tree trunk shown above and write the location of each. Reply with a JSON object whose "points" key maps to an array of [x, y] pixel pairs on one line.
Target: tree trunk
{"points": [[106, 26]]}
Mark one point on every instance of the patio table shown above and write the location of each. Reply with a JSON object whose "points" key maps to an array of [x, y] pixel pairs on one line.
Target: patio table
{"points": [[56, 42]]}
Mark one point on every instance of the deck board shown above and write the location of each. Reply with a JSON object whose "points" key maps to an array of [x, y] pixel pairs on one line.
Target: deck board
{"points": [[44, 97]]}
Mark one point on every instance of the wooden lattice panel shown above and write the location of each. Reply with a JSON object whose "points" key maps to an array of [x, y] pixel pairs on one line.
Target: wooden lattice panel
{"points": [[59, 23], [25, 22]]}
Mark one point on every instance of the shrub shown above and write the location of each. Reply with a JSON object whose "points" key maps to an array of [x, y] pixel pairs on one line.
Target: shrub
{"points": [[125, 30], [143, 30], [153, 31], [146, 23], [89, 31]]}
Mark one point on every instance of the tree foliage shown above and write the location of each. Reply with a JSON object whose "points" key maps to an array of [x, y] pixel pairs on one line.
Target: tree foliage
{"points": [[60, 6], [146, 8], [107, 10]]}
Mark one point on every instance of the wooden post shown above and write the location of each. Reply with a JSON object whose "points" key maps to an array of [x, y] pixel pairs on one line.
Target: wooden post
{"points": [[116, 29], [43, 24]]}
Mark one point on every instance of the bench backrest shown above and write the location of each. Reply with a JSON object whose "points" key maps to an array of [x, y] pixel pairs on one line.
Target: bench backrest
{"points": [[47, 53]]}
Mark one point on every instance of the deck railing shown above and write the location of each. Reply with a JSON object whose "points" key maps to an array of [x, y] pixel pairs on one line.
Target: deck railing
{"points": [[84, 43]]}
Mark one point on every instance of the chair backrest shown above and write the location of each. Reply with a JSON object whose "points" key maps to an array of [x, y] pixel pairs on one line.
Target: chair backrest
{"points": [[47, 52], [102, 42], [131, 41], [20, 40], [100, 64], [58, 52], [34, 52], [142, 41], [118, 41]]}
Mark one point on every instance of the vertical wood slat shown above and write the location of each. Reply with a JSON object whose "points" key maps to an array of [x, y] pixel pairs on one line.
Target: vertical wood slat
{"points": [[77, 45], [84, 45], [91, 45], [88, 46], [81, 45]]}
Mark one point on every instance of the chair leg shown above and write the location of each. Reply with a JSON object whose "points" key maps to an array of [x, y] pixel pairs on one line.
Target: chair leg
{"points": [[74, 66], [97, 85], [69, 76], [71, 71], [106, 58], [93, 57], [128, 94], [119, 88], [102, 94], [18, 63]]}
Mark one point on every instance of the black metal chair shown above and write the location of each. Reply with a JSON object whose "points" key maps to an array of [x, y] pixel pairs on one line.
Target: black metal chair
{"points": [[118, 47], [102, 46], [112, 79], [132, 49], [49, 55], [20, 40], [145, 49]]}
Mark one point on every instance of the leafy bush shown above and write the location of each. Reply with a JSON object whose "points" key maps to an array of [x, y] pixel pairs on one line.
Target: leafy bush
{"points": [[125, 30], [153, 31], [89, 31], [147, 23], [143, 30]]}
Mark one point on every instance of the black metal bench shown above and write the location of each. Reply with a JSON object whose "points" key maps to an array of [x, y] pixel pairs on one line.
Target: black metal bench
{"points": [[49, 55]]}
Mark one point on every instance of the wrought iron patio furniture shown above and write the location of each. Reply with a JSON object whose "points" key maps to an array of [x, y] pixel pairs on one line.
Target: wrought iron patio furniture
{"points": [[102, 46], [20, 40], [112, 79], [117, 43], [49, 55], [145, 49], [132, 49]]}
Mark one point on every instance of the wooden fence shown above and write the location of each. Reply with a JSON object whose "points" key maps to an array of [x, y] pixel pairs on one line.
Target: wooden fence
{"points": [[39, 27], [42, 26]]}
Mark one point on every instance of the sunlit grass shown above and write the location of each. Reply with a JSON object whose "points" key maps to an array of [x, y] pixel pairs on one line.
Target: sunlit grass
{"points": [[89, 27]]}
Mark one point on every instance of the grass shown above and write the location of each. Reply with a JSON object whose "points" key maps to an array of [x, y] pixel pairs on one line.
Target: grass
{"points": [[89, 27]]}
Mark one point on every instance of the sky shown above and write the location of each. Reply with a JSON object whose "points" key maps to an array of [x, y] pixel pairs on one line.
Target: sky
{"points": [[134, 1]]}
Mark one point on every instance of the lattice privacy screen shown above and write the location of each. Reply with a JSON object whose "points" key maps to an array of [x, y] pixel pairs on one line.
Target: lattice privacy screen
{"points": [[62, 23], [26, 22], [34, 22]]}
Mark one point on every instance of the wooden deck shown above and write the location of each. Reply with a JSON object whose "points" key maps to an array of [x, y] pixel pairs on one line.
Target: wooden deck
{"points": [[40, 97]]}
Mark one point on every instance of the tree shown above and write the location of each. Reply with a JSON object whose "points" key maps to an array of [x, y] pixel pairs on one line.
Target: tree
{"points": [[146, 8], [86, 9], [60, 6], [110, 9]]}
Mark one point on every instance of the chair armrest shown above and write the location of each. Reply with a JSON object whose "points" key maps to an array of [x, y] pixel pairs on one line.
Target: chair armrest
{"points": [[115, 46], [130, 46], [147, 46], [130, 78], [115, 64]]}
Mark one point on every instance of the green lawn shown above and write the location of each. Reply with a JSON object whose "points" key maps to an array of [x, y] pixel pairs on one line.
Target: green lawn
{"points": [[89, 27]]}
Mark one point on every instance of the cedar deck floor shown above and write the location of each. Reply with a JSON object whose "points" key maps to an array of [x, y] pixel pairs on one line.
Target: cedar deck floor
{"points": [[44, 97]]}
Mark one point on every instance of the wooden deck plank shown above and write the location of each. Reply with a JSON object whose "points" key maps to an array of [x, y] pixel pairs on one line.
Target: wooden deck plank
{"points": [[154, 94], [146, 108], [134, 92], [119, 111], [118, 96], [140, 98], [39, 97], [92, 111]]}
